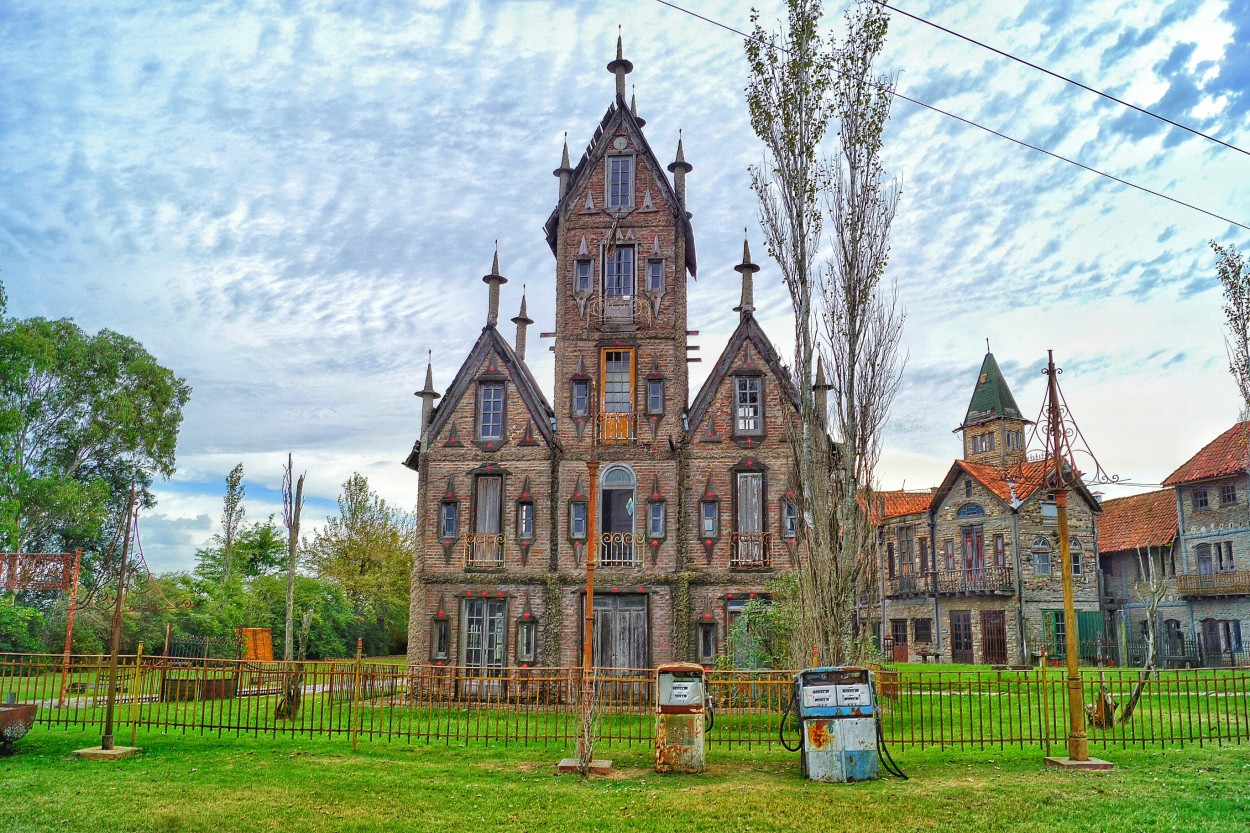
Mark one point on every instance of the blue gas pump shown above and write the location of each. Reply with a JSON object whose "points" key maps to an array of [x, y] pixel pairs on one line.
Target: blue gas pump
{"points": [[837, 716]]}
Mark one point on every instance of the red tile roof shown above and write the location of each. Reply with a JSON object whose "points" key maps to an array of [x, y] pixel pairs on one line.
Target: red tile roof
{"points": [[1224, 455], [898, 504], [1022, 479], [1147, 520]]}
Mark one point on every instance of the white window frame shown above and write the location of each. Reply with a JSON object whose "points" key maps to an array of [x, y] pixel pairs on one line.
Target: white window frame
{"points": [[612, 195]]}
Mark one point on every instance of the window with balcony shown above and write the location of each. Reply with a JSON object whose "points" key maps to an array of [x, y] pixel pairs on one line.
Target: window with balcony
{"points": [[1000, 551], [484, 547], [748, 406], [617, 402], [620, 181], [890, 565], [490, 411]]}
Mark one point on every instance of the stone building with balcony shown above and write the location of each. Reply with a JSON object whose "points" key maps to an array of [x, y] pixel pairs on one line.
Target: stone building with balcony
{"points": [[970, 571], [694, 511], [1138, 557], [1213, 543]]}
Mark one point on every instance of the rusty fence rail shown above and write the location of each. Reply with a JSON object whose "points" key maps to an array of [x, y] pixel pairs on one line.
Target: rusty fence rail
{"points": [[374, 701]]}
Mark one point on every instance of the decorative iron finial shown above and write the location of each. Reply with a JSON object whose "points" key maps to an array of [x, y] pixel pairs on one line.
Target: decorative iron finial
{"points": [[620, 67], [987, 345], [633, 106]]}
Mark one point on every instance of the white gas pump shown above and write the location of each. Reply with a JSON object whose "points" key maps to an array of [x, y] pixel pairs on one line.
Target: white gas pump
{"points": [[682, 714], [837, 715]]}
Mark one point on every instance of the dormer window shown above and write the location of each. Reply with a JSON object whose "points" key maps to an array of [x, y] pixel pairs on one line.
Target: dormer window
{"points": [[490, 411], [583, 277], [620, 181]]}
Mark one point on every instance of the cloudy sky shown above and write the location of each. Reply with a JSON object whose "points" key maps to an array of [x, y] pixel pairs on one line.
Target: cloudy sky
{"points": [[289, 203]]}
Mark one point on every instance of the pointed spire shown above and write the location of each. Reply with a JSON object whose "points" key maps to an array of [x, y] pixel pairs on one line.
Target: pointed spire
{"points": [[522, 321], [679, 168], [747, 269], [565, 171], [633, 107], [991, 398], [427, 394], [620, 68], [820, 390], [494, 279]]}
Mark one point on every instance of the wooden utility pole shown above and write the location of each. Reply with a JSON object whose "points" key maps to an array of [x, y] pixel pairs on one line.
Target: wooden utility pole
{"points": [[106, 742]]}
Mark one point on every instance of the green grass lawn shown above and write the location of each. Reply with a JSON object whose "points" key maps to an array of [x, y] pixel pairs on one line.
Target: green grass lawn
{"points": [[190, 783]]}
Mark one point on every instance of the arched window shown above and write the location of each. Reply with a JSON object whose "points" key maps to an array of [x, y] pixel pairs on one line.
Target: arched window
{"points": [[970, 510], [616, 547], [618, 477], [1041, 556], [1077, 550]]}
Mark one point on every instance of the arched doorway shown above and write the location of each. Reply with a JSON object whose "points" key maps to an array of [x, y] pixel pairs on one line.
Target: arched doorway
{"points": [[616, 528]]}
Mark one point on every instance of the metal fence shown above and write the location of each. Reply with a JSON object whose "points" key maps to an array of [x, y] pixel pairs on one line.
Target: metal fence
{"points": [[373, 701]]}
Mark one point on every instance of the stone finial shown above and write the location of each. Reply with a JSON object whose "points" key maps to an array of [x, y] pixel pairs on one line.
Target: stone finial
{"points": [[747, 269], [427, 394], [633, 108], [820, 390], [620, 67], [565, 171], [679, 168], [494, 280], [522, 321]]}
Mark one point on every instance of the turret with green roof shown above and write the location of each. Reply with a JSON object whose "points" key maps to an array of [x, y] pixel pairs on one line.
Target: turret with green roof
{"points": [[993, 428]]}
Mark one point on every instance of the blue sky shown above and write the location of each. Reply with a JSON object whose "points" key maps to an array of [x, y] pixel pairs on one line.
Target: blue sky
{"points": [[289, 203]]}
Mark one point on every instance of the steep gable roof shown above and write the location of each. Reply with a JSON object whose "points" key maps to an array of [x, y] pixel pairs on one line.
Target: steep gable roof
{"points": [[1146, 520], [897, 504], [616, 114], [1223, 456], [527, 388], [991, 398], [1012, 484], [748, 330]]}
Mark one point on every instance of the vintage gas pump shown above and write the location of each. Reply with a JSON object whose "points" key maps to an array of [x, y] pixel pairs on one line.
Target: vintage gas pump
{"points": [[681, 709], [836, 711]]}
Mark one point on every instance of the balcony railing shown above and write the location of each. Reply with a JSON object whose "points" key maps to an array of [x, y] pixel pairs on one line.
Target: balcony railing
{"points": [[1234, 583], [751, 551], [617, 429], [621, 310], [978, 581], [482, 549], [619, 550]]}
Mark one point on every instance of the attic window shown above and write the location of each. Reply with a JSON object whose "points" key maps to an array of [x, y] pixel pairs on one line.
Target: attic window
{"points": [[748, 406], [620, 181], [490, 411], [970, 510]]}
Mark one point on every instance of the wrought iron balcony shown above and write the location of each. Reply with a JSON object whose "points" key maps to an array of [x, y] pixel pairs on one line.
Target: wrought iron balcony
{"points": [[482, 549], [751, 551], [616, 428], [620, 550], [978, 581], [620, 311], [1232, 583]]}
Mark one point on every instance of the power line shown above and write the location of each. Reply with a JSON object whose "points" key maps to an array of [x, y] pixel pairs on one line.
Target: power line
{"points": [[1064, 78], [971, 123]]}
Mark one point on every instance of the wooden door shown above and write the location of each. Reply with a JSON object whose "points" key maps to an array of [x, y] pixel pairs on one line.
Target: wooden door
{"points": [[621, 632], [994, 637], [961, 636], [898, 636]]}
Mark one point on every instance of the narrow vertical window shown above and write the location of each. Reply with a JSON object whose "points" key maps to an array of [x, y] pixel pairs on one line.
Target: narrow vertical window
{"points": [[526, 640], [490, 411], [1041, 556], [655, 519], [655, 396], [583, 277], [577, 520], [747, 408], [709, 523], [440, 639], [707, 642], [448, 520], [525, 521], [581, 397], [620, 181], [655, 276], [618, 279], [1076, 549], [789, 520]]}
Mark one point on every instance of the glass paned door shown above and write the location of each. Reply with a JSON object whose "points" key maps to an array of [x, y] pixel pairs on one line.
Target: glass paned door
{"points": [[487, 526], [618, 396], [484, 643]]}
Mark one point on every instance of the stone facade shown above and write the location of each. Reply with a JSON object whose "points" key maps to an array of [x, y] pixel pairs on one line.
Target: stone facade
{"points": [[692, 501]]}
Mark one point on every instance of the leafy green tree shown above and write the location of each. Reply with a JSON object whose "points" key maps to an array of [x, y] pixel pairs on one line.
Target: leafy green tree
{"points": [[1235, 282], [21, 629], [81, 418], [367, 550], [335, 625]]}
